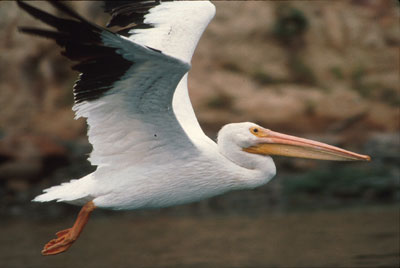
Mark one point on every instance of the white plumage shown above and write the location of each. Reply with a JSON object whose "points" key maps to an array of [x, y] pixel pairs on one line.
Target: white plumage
{"points": [[148, 146]]}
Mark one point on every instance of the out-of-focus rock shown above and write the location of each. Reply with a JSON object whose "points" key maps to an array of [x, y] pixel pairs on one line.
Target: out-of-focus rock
{"points": [[47, 146], [25, 157], [18, 185], [27, 169], [336, 82], [334, 27], [348, 51]]}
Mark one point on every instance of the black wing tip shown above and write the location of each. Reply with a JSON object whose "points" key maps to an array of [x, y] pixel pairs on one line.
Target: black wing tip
{"points": [[129, 13], [35, 12], [67, 10], [21, 4], [29, 30], [27, 8], [99, 64]]}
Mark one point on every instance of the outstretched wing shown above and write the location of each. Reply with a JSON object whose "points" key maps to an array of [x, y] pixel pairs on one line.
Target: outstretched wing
{"points": [[173, 27], [126, 87]]}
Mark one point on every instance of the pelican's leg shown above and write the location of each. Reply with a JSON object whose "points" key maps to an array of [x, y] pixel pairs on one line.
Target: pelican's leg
{"points": [[67, 237]]}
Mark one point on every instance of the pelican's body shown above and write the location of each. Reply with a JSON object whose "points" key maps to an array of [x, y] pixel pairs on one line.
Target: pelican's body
{"points": [[182, 176], [148, 146]]}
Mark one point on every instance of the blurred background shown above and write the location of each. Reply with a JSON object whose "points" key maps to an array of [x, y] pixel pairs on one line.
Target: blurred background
{"points": [[326, 70]]}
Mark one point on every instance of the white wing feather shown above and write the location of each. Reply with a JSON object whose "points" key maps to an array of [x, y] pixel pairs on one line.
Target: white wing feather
{"points": [[178, 27], [136, 117], [145, 118]]}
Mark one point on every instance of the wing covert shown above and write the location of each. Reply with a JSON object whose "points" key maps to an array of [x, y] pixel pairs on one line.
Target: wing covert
{"points": [[173, 27], [125, 89]]}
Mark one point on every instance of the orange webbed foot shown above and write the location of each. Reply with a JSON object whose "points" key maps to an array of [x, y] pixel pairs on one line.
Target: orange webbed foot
{"points": [[67, 237], [62, 232], [64, 241]]}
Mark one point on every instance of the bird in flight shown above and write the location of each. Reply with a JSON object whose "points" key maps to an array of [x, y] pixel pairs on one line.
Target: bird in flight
{"points": [[148, 146]]}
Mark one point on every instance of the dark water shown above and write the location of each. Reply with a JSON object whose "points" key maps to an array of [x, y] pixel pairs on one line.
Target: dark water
{"points": [[367, 237]]}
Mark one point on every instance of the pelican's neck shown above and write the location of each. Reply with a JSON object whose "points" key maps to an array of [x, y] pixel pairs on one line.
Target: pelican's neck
{"points": [[255, 170]]}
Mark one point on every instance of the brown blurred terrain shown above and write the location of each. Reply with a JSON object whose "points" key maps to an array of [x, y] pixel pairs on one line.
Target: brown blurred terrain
{"points": [[327, 70]]}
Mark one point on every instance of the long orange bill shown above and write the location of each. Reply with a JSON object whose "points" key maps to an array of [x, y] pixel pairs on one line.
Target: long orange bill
{"points": [[274, 143]]}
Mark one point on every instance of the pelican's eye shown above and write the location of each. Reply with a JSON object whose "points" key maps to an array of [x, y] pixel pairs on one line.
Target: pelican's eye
{"points": [[255, 131]]}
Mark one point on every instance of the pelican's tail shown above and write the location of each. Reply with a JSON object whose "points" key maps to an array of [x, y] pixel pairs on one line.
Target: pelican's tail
{"points": [[75, 192]]}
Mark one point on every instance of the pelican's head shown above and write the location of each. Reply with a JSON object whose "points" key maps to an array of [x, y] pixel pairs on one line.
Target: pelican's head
{"points": [[251, 138]]}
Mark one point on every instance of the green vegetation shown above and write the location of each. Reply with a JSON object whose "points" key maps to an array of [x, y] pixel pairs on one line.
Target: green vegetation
{"points": [[337, 72], [373, 90], [390, 95], [357, 82], [310, 108], [289, 28], [301, 72], [290, 25], [220, 100], [341, 183], [263, 78], [232, 67]]}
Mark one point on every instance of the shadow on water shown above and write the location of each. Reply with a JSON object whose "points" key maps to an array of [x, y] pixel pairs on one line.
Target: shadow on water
{"points": [[363, 237]]}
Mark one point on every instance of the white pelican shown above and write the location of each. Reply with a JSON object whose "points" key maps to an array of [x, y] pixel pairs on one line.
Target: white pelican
{"points": [[148, 146]]}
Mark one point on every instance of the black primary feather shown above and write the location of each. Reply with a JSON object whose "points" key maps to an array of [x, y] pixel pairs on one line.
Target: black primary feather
{"points": [[129, 15], [101, 66]]}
